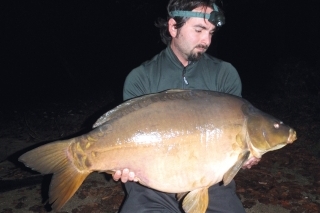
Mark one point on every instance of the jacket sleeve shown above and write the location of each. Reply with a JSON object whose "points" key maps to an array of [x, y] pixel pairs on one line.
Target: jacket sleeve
{"points": [[228, 80], [136, 83]]}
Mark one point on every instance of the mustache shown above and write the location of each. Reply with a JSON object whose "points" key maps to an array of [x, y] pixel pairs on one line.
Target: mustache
{"points": [[202, 46]]}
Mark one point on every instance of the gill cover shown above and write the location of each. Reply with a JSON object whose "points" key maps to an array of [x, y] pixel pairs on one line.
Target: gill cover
{"points": [[266, 133]]}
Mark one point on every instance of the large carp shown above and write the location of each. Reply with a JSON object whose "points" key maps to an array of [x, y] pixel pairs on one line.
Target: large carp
{"points": [[176, 141]]}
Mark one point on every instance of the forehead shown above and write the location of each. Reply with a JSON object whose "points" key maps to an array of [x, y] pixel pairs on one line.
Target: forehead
{"points": [[196, 21], [203, 9]]}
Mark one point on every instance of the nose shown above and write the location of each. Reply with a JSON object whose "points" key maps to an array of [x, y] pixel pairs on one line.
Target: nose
{"points": [[206, 38]]}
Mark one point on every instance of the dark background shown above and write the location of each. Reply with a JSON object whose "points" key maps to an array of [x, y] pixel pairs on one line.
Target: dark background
{"points": [[63, 64], [57, 49]]}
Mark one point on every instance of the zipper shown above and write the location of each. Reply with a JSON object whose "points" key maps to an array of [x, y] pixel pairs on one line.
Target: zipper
{"points": [[183, 75]]}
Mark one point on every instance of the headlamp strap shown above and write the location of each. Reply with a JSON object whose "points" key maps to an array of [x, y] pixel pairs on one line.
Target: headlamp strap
{"points": [[212, 17]]}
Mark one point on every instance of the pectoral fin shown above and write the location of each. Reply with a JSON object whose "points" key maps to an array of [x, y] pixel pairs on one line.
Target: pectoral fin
{"points": [[229, 175], [196, 201]]}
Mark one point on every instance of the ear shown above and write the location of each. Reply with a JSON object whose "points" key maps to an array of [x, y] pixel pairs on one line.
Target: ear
{"points": [[172, 28]]}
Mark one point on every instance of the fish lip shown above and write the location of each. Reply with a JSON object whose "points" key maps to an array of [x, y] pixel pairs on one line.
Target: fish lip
{"points": [[292, 136]]}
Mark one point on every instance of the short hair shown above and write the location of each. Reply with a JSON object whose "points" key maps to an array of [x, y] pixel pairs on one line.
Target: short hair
{"points": [[185, 5]]}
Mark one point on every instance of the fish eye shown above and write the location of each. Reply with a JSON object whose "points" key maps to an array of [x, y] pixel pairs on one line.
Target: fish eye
{"points": [[277, 125]]}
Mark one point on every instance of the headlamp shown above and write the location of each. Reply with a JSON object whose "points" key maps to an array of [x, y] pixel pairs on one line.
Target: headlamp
{"points": [[216, 17]]}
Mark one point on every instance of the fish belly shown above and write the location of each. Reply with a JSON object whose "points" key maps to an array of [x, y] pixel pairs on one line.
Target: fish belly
{"points": [[177, 164]]}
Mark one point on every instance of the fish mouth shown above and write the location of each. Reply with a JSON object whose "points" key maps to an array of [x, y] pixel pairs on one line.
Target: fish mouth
{"points": [[292, 136]]}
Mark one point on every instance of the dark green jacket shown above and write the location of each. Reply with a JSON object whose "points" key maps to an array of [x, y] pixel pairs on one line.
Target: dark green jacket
{"points": [[165, 71]]}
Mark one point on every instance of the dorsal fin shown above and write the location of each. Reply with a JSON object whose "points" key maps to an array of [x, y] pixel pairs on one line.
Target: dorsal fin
{"points": [[124, 108], [133, 105]]}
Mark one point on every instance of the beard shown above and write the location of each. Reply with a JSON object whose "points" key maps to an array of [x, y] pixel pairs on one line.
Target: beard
{"points": [[195, 56]]}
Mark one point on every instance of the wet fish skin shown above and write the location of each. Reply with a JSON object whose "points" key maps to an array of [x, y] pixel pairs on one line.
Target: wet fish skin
{"points": [[175, 141]]}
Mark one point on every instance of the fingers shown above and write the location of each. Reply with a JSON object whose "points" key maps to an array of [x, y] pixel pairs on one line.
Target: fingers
{"points": [[251, 162], [125, 175], [131, 176], [117, 175], [246, 167]]}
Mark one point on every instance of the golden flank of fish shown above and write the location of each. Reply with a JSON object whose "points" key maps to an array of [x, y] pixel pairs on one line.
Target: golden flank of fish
{"points": [[177, 141]]}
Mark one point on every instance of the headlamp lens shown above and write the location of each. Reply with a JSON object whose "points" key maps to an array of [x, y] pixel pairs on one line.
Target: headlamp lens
{"points": [[217, 18]]}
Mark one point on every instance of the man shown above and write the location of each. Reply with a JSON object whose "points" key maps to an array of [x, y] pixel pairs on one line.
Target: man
{"points": [[183, 65]]}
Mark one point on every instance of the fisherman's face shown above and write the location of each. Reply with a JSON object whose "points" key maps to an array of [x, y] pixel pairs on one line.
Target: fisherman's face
{"points": [[193, 38]]}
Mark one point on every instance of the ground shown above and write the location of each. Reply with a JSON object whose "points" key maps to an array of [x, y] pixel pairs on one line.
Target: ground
{"points": [[286, 180]]}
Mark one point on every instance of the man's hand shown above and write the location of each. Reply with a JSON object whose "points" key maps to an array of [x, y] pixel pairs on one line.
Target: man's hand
{"points": [[250, 162], [125, 176]]}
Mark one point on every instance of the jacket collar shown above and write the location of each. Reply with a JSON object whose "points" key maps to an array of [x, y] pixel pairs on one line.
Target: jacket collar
{"points": [[174, 59]]}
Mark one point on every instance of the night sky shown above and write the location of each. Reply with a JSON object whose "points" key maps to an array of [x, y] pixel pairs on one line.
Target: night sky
{"points": [[58, 48]]}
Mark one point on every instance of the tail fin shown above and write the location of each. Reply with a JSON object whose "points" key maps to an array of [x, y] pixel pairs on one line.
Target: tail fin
{"points": [[52, 158]]}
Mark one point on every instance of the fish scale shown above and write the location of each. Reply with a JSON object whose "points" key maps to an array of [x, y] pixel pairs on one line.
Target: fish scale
{"points": [[177, 141]]}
